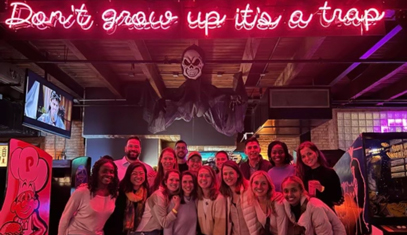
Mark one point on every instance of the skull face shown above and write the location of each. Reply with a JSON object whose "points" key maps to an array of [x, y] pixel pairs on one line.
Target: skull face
{"points": [[192, 64]]}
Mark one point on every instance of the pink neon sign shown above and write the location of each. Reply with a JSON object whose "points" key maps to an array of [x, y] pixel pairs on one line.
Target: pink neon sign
{"points": [[23, 16], [137, 21], [212, 20], [261, 20], [351, 17]]}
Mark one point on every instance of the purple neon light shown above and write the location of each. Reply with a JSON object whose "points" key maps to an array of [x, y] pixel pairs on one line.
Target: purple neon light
{"points": [[368, 53], [392, 121]]}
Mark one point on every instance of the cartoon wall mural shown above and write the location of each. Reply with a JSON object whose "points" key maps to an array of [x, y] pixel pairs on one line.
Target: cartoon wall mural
{"points": [[350, 170], [26, 205], [373, 175]]}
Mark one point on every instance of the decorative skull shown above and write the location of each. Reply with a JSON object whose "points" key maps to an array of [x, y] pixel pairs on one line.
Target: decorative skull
{"points": [[192, 62]]}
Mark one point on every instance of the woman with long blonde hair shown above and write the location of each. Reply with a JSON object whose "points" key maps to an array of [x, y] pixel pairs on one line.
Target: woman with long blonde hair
{"points": [[269, 210]]}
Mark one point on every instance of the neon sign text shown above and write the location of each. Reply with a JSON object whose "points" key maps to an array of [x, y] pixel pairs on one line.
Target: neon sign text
{"points": [[212, 20], [262, 20], [137, 21], [247, 18], [24, 17], [351, 17], [296, 20]]}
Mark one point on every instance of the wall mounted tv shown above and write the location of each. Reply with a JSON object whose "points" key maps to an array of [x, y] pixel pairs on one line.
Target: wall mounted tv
{"points": [[47, 107]]}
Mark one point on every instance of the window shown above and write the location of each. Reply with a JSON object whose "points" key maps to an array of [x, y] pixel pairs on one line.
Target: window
{"points": [[352, 123]]}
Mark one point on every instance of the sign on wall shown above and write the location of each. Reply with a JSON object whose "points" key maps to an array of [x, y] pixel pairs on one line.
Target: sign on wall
{"points": [[26, 205], [192, 19], [3, 155]]}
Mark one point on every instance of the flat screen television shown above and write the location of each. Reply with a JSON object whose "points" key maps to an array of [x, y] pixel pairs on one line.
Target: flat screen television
{"points": [[47, 107]]}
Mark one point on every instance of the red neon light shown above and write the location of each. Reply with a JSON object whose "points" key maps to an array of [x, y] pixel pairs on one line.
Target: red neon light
{"points": [[296, 20], [24, 17], [137, 21], [351, 17], [262, 20], [212, 20]]}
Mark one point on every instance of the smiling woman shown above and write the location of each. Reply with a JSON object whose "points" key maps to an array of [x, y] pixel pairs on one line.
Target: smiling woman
{"points": [[320, 180], [241, 217], [280, 159], [186, 221], [166, 162], [133, 193], [156, 217], [89, 207], [269, 210]]}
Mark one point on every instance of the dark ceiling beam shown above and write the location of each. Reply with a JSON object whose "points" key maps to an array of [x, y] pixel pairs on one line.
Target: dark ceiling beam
{"points": [[103, 72], [393, 91], [368, 53], [250, 51], [369, 80], [258, 69], [140, 52], [306, 51], [31, 53]]}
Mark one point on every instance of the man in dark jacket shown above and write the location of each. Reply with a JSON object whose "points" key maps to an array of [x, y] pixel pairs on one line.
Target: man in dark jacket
{"points": [[255, 161]]}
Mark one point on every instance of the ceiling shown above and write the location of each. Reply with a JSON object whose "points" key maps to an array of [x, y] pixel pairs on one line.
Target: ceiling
{"points": [[359, 70]]}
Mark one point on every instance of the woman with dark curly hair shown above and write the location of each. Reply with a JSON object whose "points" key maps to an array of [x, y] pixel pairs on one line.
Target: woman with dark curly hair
{"points": [[280, 159], [89, 207], [130, 203]]}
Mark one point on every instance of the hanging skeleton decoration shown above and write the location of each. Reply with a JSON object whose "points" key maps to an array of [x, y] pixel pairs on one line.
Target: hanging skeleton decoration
{"points": [[195, 98]]}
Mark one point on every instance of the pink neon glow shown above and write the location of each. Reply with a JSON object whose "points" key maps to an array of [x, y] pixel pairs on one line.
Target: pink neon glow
{"points": [[261, 20], [212, 20], [24, 17], [296, 20], [351, 17], [139, 20]]}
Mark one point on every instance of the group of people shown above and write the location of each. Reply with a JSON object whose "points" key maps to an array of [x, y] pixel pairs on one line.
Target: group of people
{"points": [[184, 197]]}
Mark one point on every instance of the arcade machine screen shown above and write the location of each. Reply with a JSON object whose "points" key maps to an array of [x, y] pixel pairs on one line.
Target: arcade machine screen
{"points": [[386, 164]]}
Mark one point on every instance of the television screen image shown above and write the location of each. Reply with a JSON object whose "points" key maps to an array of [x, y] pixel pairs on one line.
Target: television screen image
{"points": [[47, 107]]}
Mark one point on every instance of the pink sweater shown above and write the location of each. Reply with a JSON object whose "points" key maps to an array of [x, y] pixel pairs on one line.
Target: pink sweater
{"points": [[84, 214]]}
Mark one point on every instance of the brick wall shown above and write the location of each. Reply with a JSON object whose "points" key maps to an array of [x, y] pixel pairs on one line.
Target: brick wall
{"points": [[54, 145], [74, 147], [264, 140], [325, 136]]}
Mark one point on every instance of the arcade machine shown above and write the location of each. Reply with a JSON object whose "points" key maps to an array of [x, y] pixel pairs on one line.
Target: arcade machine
{"points": [[67, 175], [373, 174], [25, 207]]}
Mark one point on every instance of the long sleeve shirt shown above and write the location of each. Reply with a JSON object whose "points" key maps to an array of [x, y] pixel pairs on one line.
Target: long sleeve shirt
{"points": [[330, 180], [186, 221], [213, 221], [85, 214], [155, 216]]}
